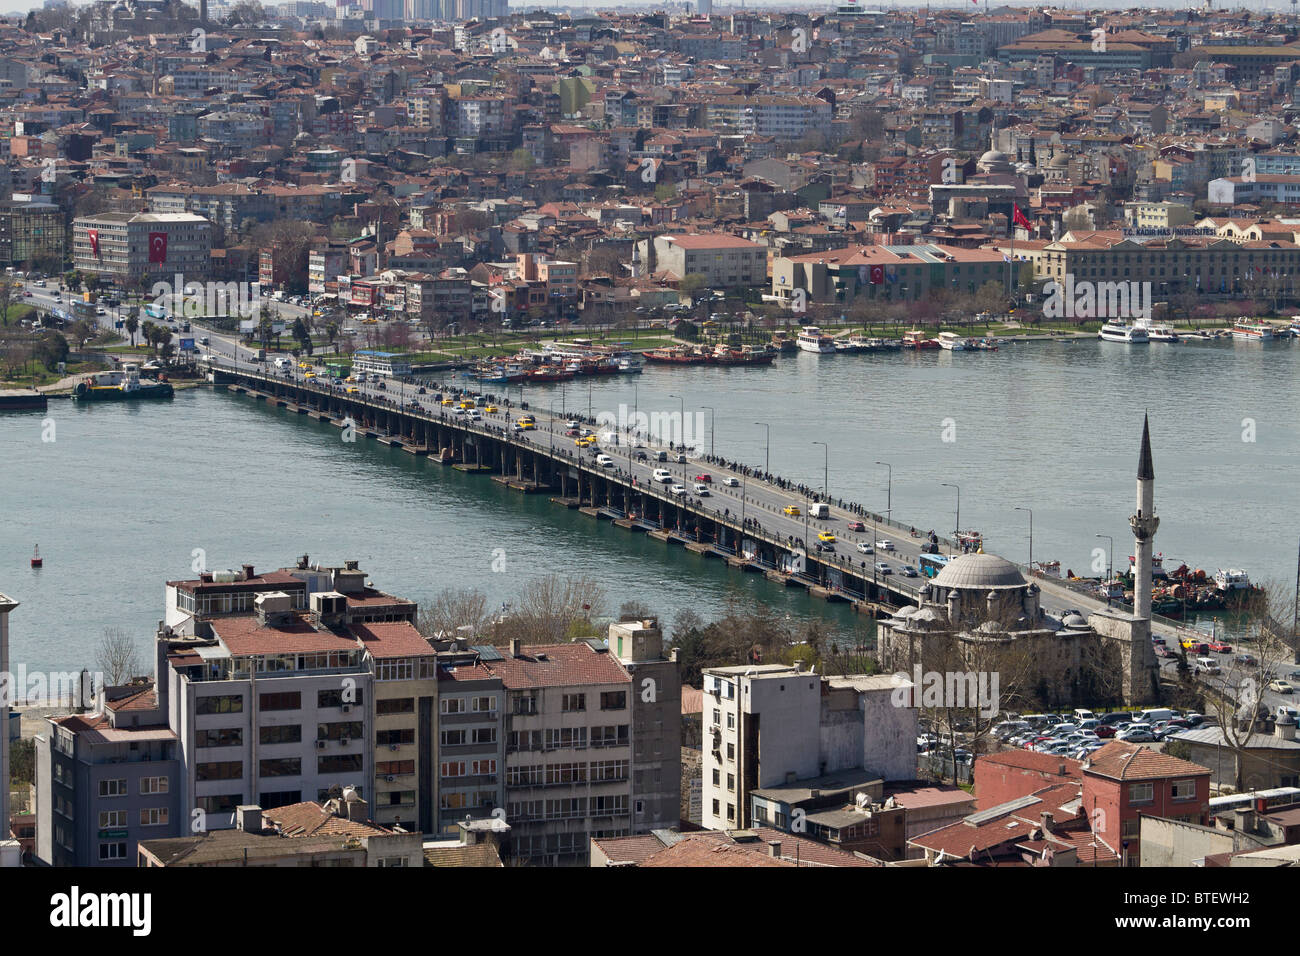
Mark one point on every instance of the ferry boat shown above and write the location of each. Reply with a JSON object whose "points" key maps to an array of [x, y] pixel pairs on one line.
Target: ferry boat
{"points": [[811, 339], [1233, 579], [915, 339], [1248, 331], [952, 342], [1121, 331], [1161, 333], [120, 386], [1294, 327]]}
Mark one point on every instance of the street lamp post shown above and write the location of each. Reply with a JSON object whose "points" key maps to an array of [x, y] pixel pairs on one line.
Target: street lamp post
{"points": [[889, 487], [711, 416], [681, 424], [957, 533], [1110, 569], [826, 469], [1031, 537], [767, 454]]}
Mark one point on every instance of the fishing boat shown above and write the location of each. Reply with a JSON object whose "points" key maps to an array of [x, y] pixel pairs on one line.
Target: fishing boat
{"points": [[883, 345], [915, 339], [1118, 330], [37, 561], [120, 386], [675, 355], [542, 375], [812, 339], [728, 355], [952, 342], [985, 344], [1245, 330]]}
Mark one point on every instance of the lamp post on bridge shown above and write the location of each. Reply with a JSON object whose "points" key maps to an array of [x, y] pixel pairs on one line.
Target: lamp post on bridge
{"points": [[712, 412], [826, 470], [889, 487], [767, 454]]}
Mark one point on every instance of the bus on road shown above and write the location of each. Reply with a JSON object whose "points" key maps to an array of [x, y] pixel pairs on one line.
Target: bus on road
{"points": [[931, 564]]}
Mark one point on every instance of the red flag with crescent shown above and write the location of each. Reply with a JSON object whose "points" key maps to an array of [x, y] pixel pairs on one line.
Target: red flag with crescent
{"points": [[1018, 218], [877, 275], [157, 247], [93, 236]]}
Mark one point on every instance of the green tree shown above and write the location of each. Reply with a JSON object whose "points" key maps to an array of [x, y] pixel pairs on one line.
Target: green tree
{"points": [[81, 330], [51, 349], [132, 326], [691, 283]]}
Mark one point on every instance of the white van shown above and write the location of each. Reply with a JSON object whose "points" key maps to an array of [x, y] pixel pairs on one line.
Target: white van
{"points": [[820, 510], [663, 475], [281, 362], [1082, 713], [605, 461], [1208, 665], [1153, 714]]}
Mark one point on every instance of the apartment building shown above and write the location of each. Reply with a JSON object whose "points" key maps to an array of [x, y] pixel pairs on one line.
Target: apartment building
{"points": [[30, 229], [127, 247], [471, 767], [885, 273], [107, 780], [774, 725], [723, 260]]}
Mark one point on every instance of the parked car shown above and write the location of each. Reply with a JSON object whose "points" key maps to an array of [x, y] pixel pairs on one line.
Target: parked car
{"points": [[1281, 687], [1220, 647]]}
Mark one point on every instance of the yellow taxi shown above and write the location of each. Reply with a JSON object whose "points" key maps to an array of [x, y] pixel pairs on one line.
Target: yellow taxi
{"points": [[353, 390], [489, 408], [525, 424], [586, 441], [792, 510], [304, 365], [467, 404], [350, 379], [827, 537], [447, 401], [310, 375]]}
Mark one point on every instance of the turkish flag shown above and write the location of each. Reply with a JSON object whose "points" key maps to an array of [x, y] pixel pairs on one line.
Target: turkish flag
{"points": [[877, 275], [157, 247], [93, 236], [1018, 217]]}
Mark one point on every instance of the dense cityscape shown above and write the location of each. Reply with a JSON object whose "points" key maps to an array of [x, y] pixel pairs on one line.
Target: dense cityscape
{"points": [[480, 243]]}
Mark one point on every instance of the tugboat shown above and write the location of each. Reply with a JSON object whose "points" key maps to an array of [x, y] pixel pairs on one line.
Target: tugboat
{"points": [[36, 557]]}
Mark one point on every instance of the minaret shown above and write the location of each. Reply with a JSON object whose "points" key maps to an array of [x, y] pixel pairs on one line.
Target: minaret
{"points": [[1144, 525]]}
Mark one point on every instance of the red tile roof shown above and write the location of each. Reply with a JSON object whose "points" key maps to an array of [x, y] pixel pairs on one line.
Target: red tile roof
{"points": [[1120, 760], [392, 639], [1032, 760], [565, 665]]}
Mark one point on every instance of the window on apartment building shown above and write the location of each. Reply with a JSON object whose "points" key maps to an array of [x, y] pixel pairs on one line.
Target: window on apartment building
{"points": [[112, 788], [453, 768], [280, 701], [219, 803], [613, 700], [395, 705], [717, 716], [219, 770], [731, 721], [154, 817], [219, 704], [270, 799], [399, 669], [150, 785], [280, 767], [484, 768], [566, 773], [731, 781], [1184, 789], [339, 763], [338, 697], [232, 737], [717, 777], [452, 705], [485, 705], [112, 819], [389, 738], [398, 798], [112, 851], [607, 771], [453, 738], [572, 703], [345, 730], [558, 738], [731, 751], [731, 811], [523, 704], [1141, 792], [717, 808], [524, 740], [286, 734], [483, 735], [394, 767], [530, 776], [1131, 828]]}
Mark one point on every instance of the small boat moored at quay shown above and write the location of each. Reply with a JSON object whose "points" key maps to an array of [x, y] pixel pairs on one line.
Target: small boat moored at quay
{"points": [[952, 342], [125, 385], [1244, 330], [915, 339], [812, 339]]}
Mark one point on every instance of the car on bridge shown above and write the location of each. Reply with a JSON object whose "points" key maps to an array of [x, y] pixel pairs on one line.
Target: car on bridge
{"points": [[524, 426], [856, 526], [706, 479], [586, 441], [792, 510], [731, 482], [864, 548], [826, 537], [1281, 687], [883, 568], [353, 390], [678, 490], [573, 433], [885, 544], [445, 401], [909, 571], [663, 475], [702, 490], [489, 409]]}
